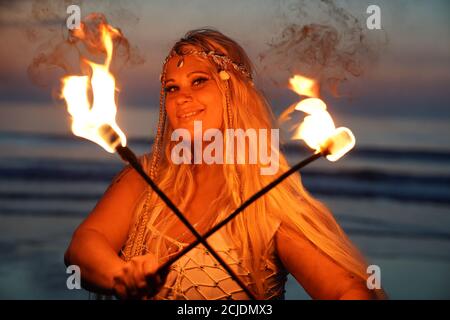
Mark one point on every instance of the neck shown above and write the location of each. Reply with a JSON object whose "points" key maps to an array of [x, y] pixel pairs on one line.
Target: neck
{"points": [[209, 176]]}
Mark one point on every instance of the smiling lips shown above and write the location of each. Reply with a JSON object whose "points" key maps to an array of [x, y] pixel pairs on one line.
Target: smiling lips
{"points": [[184, 114]]}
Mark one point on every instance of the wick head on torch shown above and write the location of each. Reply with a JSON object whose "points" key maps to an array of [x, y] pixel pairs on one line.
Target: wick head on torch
{"points": [[109, 135], [337, 145]]}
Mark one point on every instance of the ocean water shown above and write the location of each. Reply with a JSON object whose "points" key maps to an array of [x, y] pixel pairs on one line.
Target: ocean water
{"points": [[391, 195]]}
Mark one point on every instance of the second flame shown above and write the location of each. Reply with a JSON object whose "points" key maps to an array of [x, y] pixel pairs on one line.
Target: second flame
{"points": [[318, 129]]}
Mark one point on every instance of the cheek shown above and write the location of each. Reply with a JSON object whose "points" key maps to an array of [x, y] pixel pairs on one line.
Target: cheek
{"points": [[214, 116], [171, 112]]}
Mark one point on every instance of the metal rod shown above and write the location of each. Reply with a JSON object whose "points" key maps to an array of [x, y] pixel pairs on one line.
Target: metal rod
{"points": [[165, 266], [127, 155]]}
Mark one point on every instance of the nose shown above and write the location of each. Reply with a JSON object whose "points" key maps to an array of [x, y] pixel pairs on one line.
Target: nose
{"points": [[184, 96]]}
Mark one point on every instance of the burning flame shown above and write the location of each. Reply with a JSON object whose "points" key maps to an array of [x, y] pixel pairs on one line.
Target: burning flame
{"points": [[318, 129], [97, 122], [304, 86]]}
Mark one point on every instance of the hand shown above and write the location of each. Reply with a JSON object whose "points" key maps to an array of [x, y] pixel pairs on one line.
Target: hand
{"points": [[137, 278]]}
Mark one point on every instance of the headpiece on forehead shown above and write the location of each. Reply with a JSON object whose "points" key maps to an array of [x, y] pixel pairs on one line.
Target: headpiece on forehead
{"points": [[222, 61]]}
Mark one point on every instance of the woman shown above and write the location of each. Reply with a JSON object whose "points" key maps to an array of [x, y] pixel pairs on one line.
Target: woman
{"points": [[207, 77]]}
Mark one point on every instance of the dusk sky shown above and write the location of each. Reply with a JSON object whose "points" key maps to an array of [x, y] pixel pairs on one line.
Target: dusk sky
{"points": [[410, 76]]}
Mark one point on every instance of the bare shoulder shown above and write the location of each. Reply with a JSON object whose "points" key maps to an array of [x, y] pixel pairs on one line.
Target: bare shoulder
{"points": [[125, 186], [113, 213]]}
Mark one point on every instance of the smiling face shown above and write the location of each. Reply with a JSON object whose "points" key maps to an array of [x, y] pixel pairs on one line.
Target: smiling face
{"points": [[192, 94]]}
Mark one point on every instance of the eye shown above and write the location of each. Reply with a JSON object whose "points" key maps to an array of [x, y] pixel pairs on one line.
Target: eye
{"points": [[199, 81], [170, 89]]}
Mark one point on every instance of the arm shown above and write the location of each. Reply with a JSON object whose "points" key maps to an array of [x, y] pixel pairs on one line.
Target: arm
{"points": [[97, 241], [319, 275]]}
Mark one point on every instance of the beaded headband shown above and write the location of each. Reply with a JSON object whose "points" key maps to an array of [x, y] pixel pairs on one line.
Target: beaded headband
{"points": [[222, 61]]}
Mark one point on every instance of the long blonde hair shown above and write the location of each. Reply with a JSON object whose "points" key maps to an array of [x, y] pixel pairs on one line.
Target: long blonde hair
{"points": [[288, 203]]}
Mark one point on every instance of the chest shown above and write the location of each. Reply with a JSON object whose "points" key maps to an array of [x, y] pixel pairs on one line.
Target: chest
{"points": [[200, 212]]}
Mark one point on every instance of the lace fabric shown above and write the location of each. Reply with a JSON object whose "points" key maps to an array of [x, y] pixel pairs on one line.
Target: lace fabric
{"points": [[197, 275]]}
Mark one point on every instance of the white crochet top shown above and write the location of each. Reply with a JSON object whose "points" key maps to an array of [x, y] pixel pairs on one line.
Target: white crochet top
{"points": [[197, 275]]}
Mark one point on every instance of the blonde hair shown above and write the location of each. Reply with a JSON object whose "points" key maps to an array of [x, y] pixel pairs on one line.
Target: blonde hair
{"points": [[288, 203]]}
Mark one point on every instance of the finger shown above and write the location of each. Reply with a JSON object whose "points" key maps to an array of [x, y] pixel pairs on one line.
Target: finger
{"points": [[149, 265], [153, 287], [119, 288], [155, 282], [149, 285], [133, 279], [141, 283]]}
